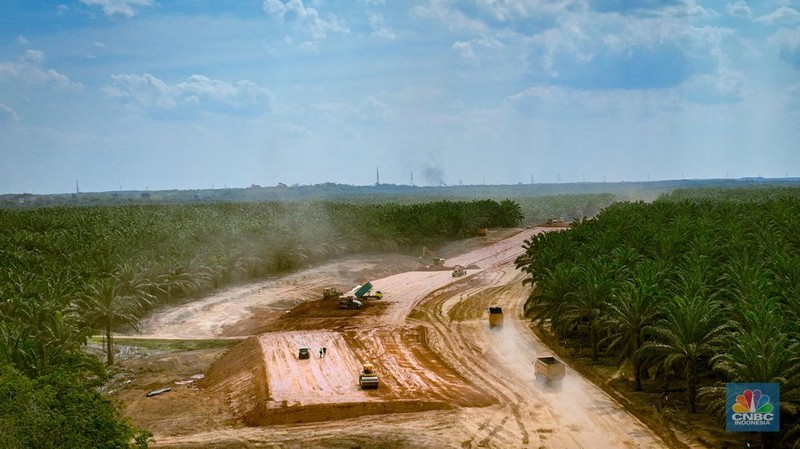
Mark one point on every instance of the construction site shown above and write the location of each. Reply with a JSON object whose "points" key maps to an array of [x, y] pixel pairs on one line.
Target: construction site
{"points": [[436, 354]]}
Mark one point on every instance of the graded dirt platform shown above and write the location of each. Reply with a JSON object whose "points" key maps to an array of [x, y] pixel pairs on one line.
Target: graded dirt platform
{"points": [[447, 379]]}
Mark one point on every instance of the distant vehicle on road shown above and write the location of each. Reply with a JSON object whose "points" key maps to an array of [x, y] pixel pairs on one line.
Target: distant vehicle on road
{"points": [[495, 316], [549, 369]]}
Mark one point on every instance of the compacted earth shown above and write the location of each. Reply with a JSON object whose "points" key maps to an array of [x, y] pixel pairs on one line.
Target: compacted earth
{"points": [[446, 377]]}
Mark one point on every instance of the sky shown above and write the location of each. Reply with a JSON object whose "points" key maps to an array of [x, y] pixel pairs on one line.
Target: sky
{"points": [[107, 95]]}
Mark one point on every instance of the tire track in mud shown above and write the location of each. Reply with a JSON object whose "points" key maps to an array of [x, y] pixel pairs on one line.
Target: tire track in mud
{"points": [[470, 362], [430, 341]]}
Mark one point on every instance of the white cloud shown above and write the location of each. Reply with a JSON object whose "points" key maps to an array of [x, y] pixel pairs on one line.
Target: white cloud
{"points": [[7, 114], [786, 38], [379, 28], [372, 109], [28, 69], [560, 102], [687, 9], [725, 86], [22, 40], [307, 18], [292, 130], [368, 110], [782, 15], [124, 8], [468, 49], [739, 9], [509, 10], [150, 91], [452, 19]]}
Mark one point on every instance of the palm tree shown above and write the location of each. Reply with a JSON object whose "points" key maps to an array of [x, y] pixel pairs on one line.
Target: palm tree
{"points": [[105, 306], [546, 301], [509, 214], [586, 305], [690, 333], [762, 351], [630, 311]]}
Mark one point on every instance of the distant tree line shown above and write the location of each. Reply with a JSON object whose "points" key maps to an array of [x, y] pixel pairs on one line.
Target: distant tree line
{"points": [[697, 289]]}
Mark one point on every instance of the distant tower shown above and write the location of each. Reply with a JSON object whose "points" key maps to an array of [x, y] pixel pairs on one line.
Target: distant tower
{"points": [[412, 178], [377, 176], [77, 189]]}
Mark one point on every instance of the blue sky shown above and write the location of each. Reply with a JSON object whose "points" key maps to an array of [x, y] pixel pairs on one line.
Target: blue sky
{"points": [[150, 94]]}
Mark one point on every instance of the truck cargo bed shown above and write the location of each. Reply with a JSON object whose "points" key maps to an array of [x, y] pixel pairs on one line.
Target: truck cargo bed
{"points": [[549, 368]]}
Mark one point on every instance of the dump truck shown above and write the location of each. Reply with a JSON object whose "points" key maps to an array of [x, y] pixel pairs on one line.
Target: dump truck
{"points": [[365, 292], [303, 353], [368, 378], [549, 369], [355, 298], [459, 271], [495, 316]]}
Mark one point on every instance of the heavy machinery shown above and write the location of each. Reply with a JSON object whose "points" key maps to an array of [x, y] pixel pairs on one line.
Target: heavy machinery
{"points": [[495, 316], [459, 271], [365, 292], [437, 261], [303, 353], [331, 293], [349, 302], [549, 369], [368, 378], [555, 223], [354, 299]]}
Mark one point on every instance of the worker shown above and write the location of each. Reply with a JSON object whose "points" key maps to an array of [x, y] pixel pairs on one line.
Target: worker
{"points": [[320, 352], [324, 351]]}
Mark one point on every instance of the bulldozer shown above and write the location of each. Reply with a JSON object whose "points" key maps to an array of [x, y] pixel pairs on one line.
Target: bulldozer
{"points": [[459, 271], [331, 293], [368, 378], [437, 261]]}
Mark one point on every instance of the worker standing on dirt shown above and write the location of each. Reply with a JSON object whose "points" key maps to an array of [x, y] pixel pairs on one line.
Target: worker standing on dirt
{"points": [[320, 352], [324, 351]]}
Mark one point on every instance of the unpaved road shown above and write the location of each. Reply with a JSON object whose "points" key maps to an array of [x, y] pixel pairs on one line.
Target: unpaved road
{"points": [[447, 378]]}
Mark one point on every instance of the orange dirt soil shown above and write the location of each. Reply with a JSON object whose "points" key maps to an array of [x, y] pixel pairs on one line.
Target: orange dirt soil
{"points": [[446, 378]]}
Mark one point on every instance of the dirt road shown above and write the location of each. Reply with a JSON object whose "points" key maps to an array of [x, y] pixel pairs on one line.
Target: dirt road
{"points": [[446, 378]]}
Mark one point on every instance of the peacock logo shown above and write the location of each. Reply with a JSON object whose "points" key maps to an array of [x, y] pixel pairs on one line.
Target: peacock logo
{"points": [[752, 407], [752, 401]]}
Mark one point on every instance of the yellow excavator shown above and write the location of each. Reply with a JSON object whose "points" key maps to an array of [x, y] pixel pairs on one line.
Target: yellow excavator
{"points": [[438, 261]]}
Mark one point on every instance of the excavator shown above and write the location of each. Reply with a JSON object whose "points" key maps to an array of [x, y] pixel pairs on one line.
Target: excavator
{"points": [[437, 261]]}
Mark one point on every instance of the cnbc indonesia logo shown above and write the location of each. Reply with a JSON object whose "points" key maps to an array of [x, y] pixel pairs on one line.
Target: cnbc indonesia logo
{"points": [[750, 407]]}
